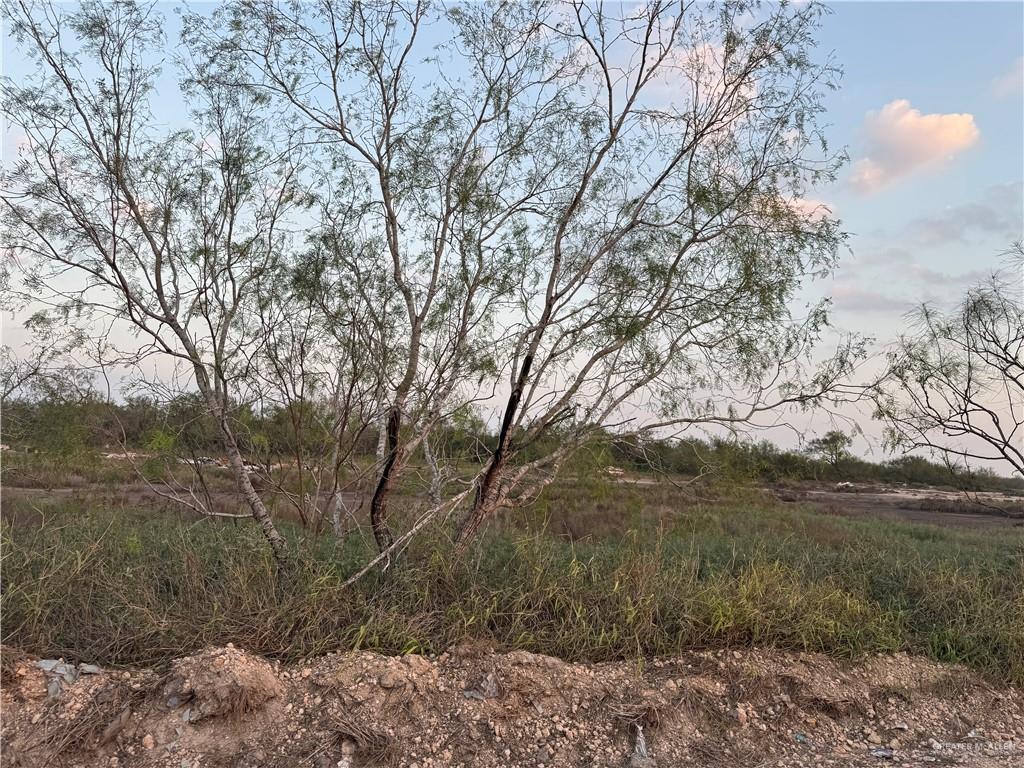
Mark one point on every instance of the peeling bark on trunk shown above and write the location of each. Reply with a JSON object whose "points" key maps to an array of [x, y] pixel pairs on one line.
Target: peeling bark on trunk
{"points": [[485, 503], [378, 505]]}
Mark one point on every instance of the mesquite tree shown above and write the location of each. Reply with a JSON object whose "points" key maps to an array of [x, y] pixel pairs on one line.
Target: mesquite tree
{"points": [[165, 234], [589, 221], [666, 270], [445, 161], [593, 215], [321, 370], [833, 447], [955, 386]]}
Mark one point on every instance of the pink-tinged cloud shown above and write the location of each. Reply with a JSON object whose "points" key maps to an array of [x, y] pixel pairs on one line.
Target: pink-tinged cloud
{"points": [[901, 141]]}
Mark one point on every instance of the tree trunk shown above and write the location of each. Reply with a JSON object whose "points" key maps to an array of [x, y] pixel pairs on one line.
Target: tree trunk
{"points": [[435, 472], [378, 505], [337, 504], [485, 503], [259, 510], [336, 500], [382, 438]]}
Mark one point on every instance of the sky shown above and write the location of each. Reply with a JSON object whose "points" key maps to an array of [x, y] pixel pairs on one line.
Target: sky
{"points": [[931, 112]]}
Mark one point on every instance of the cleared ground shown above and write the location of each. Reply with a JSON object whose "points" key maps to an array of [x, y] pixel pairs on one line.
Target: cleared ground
{"points": [[472, 707], [934, 506]]}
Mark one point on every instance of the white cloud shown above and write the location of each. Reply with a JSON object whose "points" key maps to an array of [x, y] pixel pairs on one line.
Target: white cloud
{"points": [[901, 141], [1012, 82]]}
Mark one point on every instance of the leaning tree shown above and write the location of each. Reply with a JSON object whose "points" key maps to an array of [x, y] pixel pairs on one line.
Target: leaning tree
{"points": [[160, 237]]}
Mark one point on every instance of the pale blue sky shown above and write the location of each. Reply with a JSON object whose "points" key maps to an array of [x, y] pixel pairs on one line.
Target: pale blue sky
{"points": [[933, 222], [952, 213]]}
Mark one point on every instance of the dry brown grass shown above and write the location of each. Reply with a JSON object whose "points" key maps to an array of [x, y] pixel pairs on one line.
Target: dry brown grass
{"points": [[372, 745], [99, 720]]}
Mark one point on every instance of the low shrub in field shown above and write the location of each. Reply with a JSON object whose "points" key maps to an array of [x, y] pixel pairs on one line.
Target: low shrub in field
{"points": [[126, 587]]}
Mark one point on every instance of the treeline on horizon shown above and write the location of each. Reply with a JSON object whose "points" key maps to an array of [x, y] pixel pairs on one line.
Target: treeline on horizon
{"points": [[87, 425]]}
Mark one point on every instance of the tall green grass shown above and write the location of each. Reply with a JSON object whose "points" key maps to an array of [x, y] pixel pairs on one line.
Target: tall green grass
{"points": [[125, 586]]}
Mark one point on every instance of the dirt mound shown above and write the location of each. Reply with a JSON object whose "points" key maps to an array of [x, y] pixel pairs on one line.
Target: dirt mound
{"points": [[219, 682], [473, 707]]}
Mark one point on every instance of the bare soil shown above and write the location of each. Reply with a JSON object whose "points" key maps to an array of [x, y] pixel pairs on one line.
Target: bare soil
{"points": [[918, 505], [476, 707]]}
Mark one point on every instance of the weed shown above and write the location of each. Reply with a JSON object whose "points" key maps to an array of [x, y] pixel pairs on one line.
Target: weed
{"points": [[125, 585]]}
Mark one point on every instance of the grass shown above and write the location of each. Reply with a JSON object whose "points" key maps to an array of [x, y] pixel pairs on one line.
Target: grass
{"points": [[39, 470], [651, 577]]}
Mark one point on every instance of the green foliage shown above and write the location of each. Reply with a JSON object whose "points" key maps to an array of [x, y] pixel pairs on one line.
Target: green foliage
{"points": [[160, 442], [832, 447], [71, 432]]}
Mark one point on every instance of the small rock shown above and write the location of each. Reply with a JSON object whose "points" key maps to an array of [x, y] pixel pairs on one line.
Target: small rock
{"points": [[148, 741], [486, 689], [391, 679]]}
